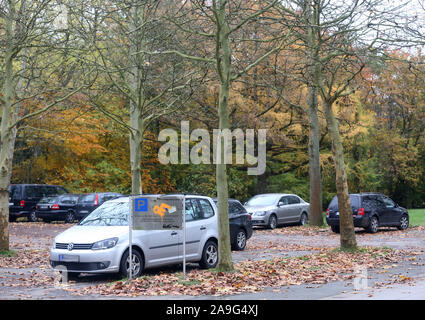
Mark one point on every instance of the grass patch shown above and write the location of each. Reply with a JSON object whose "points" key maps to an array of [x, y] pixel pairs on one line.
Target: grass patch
{"points": [[417, 217], [7, 253], [193, 282]]}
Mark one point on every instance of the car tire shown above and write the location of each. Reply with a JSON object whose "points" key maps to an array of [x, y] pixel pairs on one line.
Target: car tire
{"points": [[70, 217], [240, 240], [138, 264], [373, 225], [335, 229], [209, 255], [303, 219], [12, 219], [272, 222], [404, 222], [32, 217]]}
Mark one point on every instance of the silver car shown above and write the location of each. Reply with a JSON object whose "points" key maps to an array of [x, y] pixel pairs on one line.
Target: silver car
{"points": [[273, 209], [100, 242]]}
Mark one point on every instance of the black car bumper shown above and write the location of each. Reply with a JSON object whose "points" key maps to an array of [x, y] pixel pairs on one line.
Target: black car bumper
{"points": [[18, 213], [359, 221], [57, 215]]}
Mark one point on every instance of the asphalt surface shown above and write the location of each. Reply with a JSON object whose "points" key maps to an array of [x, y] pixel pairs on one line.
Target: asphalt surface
{"points": [[264, 244]]}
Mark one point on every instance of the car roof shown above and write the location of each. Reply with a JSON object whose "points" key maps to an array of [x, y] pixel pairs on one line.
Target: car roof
{"points": [[126, 198]]}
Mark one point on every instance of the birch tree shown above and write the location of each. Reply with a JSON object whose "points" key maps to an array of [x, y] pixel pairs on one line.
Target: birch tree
{"points": [[219, 26], [36, 71], [120, 35]]}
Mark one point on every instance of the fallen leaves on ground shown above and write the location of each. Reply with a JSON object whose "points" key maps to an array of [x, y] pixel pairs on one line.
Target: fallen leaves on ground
{"points": [[252, 276], [26, 259]]}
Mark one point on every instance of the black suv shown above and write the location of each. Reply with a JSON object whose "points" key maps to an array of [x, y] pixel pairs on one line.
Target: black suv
{"points": [[240, 224], [57, 208], [370, 211], [90, 201], [24, 197]]}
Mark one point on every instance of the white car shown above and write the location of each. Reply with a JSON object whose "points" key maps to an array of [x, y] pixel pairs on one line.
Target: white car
{"points": [[100, 242]]}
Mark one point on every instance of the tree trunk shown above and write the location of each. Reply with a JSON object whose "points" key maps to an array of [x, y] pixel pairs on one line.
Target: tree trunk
{"points": [[136, 103], [5, 136], [316, 217], [224, 69], [348, 237]]}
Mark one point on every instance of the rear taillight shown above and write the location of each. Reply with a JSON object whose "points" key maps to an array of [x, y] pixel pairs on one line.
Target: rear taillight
{"points": [[22, 203], [327, 212], [54, 207], [96, 200], [360, 212]]}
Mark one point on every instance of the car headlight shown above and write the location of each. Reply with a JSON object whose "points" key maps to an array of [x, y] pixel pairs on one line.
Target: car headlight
{"points": [[105, 244], [260, 213]]}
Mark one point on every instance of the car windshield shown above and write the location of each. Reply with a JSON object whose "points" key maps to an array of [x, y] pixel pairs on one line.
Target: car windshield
{"points": [[108, 214], [266, 200]]}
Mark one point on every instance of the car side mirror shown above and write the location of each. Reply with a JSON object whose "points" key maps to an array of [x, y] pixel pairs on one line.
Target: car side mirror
{"points": [[280, 204]]}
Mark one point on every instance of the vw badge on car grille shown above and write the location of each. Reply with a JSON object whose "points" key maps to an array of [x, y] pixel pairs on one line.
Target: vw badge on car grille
{"points": [[70, 246]]}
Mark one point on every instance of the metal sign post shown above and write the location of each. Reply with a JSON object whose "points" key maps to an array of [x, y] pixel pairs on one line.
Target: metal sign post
{"points": [[184, 237], [130, 237]]}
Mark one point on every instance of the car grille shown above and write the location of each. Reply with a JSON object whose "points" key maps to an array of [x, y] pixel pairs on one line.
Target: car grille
{"points": [[76, 246]]}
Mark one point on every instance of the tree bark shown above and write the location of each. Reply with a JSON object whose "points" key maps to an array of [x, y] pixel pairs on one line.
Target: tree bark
{"points": [[224, 69], [348, 238], [316, 217]]}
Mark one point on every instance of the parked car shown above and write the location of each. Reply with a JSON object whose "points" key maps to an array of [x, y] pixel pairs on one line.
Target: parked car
{"points": [[99, 243], [240, 224], [370, 211], [59, 208], [273, 209], [90, 201], [24, 197]]}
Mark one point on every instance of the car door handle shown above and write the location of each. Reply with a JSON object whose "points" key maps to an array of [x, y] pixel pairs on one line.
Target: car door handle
{"points": [[174, 233], [202, 228]]}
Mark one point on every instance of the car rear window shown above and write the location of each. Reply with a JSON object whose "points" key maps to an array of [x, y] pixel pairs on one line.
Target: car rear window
{"points": [[49, 200], [14, 192], [354, 199], [87, 198]]}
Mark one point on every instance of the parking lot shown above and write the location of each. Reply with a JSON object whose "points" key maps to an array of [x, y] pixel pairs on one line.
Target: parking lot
{"points": [[27, 273]]}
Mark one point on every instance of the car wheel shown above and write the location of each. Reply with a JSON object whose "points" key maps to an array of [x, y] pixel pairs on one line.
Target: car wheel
{"points": [[240, 241], [303, 219], [209, 255], [404, 222], [138, 264], [70, 217], [272, 222], [32, 216], [335, 229], [12, 219], [373, 225]]}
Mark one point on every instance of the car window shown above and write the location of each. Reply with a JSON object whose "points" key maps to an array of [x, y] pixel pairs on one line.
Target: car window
{"points": [[284, 200], [107, 197], [108, 214], [233, 209], [14, 192], [293, 200], [262, 200], [60, 190], [33, 192], [87, 198], [68, 200], [192, 210], [49, 190], [48, 200], [207, 210], [388, 202]]}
